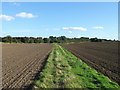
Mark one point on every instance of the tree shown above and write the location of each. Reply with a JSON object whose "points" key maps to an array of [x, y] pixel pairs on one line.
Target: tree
{"points": [[53, 39], [46, 40], [24, 39], [84, 39], [61, 39], [14, 40], [31, 40], [35, 40], [40, 40], [0, 39], [95, 40], [7, 39]]}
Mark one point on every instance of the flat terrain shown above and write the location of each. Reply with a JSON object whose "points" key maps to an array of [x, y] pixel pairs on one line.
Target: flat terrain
{"points": [[64, 70], [20, 63], [101, 56]]}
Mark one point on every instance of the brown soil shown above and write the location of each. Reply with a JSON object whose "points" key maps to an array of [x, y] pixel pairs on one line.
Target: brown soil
{"points": [[21, 62], [101, 56]]}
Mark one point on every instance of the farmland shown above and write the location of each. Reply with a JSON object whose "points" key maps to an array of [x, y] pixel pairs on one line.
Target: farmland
{"points": [[20, 62], [64, 70], [101, 56], [56, 67]]}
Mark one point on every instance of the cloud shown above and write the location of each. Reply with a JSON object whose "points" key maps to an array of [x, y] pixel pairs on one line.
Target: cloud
{"points": [[16, 3], [74, 28], [25, 15], [78, 36], [98, 27], [7, 18], [70, 31]]}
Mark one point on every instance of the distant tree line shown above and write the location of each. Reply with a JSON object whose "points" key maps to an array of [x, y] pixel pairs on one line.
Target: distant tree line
{"points": [[51, 39]]}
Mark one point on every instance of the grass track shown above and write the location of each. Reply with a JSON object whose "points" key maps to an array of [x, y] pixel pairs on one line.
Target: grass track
{"points": [[64, 70]]}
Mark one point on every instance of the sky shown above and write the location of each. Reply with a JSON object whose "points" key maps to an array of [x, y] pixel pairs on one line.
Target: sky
{"points": [[61, 0], [70, 19]]}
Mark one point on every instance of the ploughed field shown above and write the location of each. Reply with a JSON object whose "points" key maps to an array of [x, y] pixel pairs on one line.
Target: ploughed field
{"points": [[20, 63], [103, 56]]}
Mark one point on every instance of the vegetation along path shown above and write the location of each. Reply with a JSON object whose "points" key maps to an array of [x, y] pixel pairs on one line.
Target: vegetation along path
{"points": [[64, 70]]}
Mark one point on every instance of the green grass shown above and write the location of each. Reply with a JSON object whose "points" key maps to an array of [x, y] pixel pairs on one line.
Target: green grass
{"points": [[64, 70]]}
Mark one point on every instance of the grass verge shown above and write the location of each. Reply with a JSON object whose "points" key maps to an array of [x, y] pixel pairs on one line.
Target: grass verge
{"points": [[64, 70]]}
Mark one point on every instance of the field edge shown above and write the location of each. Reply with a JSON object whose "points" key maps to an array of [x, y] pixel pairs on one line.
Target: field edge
{"points": [[50, 77]]}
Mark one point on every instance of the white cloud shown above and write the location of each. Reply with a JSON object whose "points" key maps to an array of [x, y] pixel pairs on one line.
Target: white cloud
{"points": [[78, 36], [98, 27], [7, 18], [70, 31], [25, 15], [16, 3], [75, 28]]}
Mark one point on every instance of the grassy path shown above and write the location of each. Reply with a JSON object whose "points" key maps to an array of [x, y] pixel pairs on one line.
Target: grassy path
{"points": [[64, 70]]}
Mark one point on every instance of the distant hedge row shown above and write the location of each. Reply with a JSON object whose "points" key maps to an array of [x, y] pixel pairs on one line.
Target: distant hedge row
{"points": [[51, 39]]}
